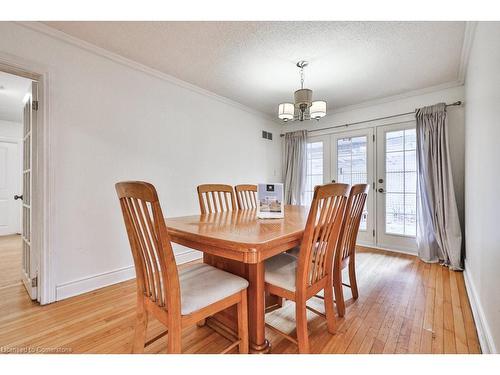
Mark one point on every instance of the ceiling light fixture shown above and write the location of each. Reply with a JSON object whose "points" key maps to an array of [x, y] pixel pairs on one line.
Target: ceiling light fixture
{"points": [[303, 108]]}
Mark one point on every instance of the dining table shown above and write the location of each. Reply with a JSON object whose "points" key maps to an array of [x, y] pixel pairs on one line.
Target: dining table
{"points": [[239, 242]]}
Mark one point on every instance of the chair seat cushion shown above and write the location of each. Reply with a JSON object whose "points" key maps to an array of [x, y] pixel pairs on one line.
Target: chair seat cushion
{"points": [[281, 271], [201, 285]]}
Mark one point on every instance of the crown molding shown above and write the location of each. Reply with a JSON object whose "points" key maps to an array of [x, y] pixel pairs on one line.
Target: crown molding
{"points": [[470, 30], [61, 36], [405, 95]]}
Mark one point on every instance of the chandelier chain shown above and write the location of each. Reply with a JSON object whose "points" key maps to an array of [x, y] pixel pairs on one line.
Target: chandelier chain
{"points": [[302, 77]]}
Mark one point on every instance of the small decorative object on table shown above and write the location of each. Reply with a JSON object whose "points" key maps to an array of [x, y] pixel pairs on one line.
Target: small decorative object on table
{"points": [[270, 201]]}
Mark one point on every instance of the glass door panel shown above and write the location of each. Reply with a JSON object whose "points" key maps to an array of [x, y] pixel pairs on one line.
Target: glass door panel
{"points": [[397, 186], [317, 165], [352, 164]]}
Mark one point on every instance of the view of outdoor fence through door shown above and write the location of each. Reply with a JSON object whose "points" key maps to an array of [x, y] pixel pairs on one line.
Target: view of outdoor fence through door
{"points": [[352, 165], [401, 182]]}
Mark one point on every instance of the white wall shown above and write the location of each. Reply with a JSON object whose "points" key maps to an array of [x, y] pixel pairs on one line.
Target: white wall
{"points": [[391, 106], [109, 122], [482, 181], [9, 129]]}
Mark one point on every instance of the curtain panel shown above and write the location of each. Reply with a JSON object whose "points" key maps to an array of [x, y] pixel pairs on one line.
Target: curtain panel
{"points": [[294, 166], [439, 236]]}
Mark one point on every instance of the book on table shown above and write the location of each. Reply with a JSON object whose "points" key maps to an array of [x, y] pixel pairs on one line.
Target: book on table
{"points": [[270, 201]]}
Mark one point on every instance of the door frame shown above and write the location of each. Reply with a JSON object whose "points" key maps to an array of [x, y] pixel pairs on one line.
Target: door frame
{"points": [[42, 174]]}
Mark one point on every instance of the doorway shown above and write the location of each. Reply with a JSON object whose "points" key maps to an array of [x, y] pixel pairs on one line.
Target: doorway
{"points": [[385, 158], [18, 121]]}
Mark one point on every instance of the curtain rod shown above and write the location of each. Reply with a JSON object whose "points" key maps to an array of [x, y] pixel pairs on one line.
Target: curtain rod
{"points": [[373, 119]]}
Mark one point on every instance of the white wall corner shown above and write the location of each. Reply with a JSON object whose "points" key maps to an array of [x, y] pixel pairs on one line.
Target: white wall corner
{"points": [[482, 327], [470, 28]]}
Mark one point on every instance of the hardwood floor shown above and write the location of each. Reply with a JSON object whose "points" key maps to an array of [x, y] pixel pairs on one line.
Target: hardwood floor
{"points": [[405, 306], [10, 265]]}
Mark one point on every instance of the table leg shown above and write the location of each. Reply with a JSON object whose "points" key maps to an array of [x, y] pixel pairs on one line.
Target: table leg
{"points": [[256, 309]]}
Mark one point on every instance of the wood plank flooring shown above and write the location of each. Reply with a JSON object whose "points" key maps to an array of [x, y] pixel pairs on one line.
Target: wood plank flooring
{"points": [[405, 306], [11, 258]]}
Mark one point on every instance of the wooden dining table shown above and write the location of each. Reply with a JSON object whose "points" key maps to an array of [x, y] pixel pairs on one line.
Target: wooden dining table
{"points": [[239, 242]]}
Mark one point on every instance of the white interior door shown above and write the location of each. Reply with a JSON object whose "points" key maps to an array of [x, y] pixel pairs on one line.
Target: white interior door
{"points": [[10, 185], [29, 263], [396, 186], [352, 162]]}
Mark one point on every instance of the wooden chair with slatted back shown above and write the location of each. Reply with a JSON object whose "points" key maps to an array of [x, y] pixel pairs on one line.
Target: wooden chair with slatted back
{"points": [[216, 198], [299, 279], [246, 195], [346, 248], [176, 298]]}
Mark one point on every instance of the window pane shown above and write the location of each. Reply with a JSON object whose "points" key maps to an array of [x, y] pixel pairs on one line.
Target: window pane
{"points": [[317, 166], [410, 139], [314, 169], [410, 161], [394, 162], [401, 183], [395, 182], [411, 182], [394, 141], [411, 225]]}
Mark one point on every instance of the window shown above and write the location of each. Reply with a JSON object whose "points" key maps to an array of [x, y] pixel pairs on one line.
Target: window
{"points": [[352, 165], [314, 169], [401, 182]]}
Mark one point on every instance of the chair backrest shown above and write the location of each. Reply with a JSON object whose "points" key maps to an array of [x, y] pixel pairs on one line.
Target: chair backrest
{"points": [[246, 195], [351, 221], [216, 198], [321, 234], [155, 267]]}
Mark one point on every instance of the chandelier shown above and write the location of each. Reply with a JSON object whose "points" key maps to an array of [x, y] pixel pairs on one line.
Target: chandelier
{"points": [[303, 108]]}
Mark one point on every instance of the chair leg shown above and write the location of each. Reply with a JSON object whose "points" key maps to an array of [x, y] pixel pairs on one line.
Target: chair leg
{"points": [[301, 321], [329, 309], [141, 326], [339, 293], [201, 323], [243, 322], [174, 338], [352, 278]]}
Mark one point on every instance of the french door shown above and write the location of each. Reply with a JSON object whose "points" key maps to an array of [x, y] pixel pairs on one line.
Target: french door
{"points": [[385, 158], [397, 186], [29, 261]]}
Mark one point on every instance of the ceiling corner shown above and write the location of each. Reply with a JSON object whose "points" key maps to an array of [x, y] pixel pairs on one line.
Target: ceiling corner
{"points": [[470, 28]]}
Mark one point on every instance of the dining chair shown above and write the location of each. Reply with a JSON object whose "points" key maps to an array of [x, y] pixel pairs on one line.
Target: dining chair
{"points": [[177, 298], [216, 198], [346, 248], [246, 196], [301, 278]]}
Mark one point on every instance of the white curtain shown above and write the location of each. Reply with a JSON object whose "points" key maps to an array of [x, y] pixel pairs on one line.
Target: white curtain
{"points": [[439, 236], [294, 166]]}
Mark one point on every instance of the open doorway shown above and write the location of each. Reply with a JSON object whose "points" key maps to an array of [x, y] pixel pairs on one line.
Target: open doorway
{"points": [[18, 118]]}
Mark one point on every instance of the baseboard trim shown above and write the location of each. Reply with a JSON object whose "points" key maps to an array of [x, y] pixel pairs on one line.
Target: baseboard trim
{"points": [[391, 250], [482, 327], [101, 280]]}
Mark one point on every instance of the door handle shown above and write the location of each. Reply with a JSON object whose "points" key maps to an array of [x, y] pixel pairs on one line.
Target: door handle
{"points": [[16, 197], [380, 190], [334, 181]]}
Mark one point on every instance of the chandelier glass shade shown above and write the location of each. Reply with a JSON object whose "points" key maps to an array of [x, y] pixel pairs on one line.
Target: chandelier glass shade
{"points": [[303, 108]]}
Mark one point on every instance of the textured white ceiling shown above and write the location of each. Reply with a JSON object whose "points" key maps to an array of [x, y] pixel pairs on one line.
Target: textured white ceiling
{"points": [[11, 96], [253, 63]]}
